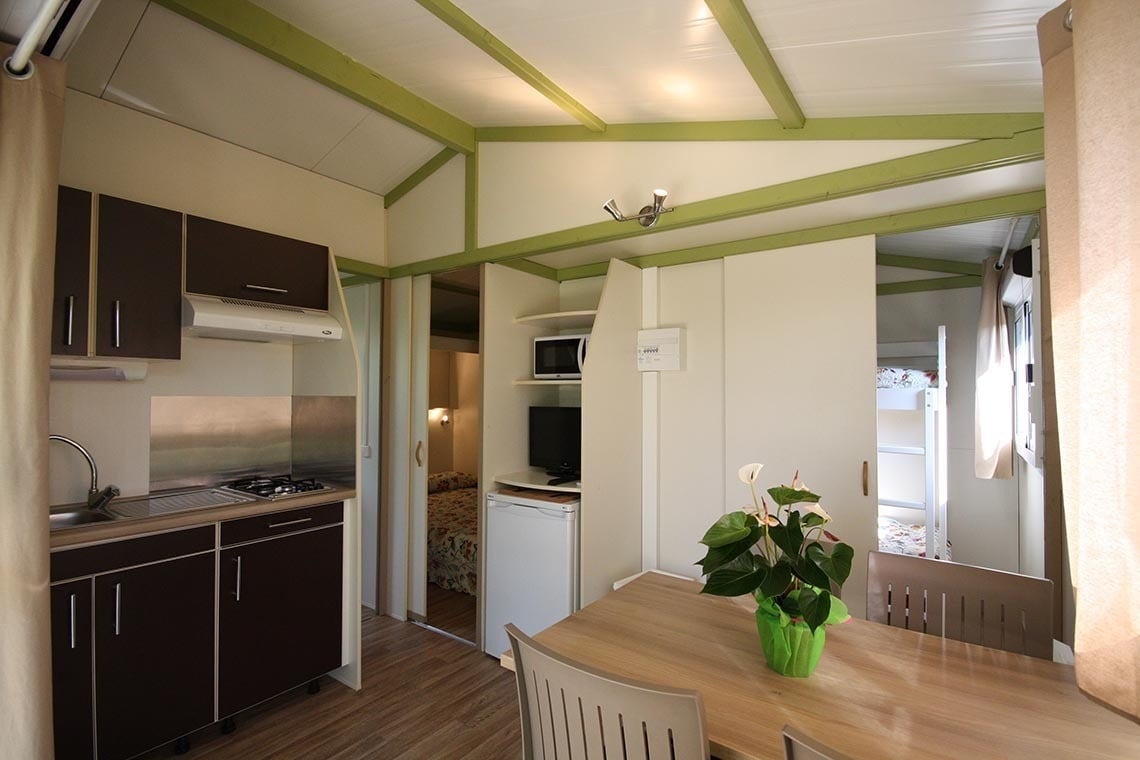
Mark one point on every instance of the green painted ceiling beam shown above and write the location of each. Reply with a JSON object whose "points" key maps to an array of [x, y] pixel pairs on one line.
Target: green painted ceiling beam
{"points": [[259, 30], [419, 175], [907, 221], [361, 268], [471, 201], [929, 284], [448, 13], [884, 175], [926, 264], [738, 26], [968, 126], [358, 279], [532, 267]]}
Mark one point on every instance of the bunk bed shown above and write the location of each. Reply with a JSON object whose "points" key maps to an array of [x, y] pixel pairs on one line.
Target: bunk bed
{"points": [[912, 459]]}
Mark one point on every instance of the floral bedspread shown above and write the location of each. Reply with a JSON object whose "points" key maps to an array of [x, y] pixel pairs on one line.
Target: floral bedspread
{"points": [[453, 539], [898, 377], [905, 538]]}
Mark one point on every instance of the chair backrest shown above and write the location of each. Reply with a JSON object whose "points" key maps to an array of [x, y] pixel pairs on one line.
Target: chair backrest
{"points": [[798, 746], [571, 711], [972, 604]]}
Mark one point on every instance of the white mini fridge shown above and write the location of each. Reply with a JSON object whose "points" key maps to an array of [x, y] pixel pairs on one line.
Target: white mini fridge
{"points": [[532, 562]]}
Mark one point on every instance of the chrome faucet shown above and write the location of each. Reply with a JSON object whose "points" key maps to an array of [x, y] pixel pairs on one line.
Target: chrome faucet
{"points": [[96, 499]]}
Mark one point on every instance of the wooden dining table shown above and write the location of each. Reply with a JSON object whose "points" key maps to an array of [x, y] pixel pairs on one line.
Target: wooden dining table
{"points": [[878, 692]]}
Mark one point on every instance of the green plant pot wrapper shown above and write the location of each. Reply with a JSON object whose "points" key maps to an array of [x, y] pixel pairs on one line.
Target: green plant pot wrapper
{"points": [[790, 648]]}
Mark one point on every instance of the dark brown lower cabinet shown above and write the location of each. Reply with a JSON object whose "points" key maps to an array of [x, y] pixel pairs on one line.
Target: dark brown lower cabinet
{"points": [[279, 608], [71, 670], [154, 654]]}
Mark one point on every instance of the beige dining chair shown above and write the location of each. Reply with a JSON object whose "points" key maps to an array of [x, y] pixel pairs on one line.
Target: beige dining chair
{"points": [[799, 746], [972, 604], [571, 711]]}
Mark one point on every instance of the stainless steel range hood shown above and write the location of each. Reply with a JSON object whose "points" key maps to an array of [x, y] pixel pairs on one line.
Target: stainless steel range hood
{"points": [[235, 319]]}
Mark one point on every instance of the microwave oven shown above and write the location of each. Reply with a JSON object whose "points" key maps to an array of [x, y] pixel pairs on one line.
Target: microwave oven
{"points": [[559, 357]]}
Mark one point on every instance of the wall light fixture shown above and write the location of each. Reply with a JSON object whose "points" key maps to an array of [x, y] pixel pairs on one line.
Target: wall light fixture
{"points": [[648, 215]]}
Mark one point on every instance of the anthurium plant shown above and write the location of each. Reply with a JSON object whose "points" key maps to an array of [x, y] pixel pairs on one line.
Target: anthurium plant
{"points": [[777, 553]]}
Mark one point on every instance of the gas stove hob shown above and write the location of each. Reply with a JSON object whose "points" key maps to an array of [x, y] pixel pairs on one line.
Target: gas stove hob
{"points": [[280, 487]]}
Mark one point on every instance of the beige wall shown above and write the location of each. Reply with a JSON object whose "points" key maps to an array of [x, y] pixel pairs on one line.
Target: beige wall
{"points": [[465, 415], [428, 222], [112, 149], [981, 514]]}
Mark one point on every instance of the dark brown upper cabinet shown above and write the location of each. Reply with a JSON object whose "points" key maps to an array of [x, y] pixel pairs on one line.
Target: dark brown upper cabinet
{"points": [[236, 262], [138, 294], [71, 302]]}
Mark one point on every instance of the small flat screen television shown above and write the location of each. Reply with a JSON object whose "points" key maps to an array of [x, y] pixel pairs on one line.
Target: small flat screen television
{"points": [[556, 442]]}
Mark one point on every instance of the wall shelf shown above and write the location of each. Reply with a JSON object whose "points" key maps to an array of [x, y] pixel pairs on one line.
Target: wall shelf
{"points": [[524, 381], [536, 479], [914, 450], [560, 320]]}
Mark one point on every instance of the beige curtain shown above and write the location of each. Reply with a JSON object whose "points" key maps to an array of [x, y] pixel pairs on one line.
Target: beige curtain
{"points": [[31, 125], [1092, 171], [993, 383]]}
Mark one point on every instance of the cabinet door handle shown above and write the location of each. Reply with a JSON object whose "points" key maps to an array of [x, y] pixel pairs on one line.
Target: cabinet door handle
{"points": [[70, 320], [865, 476], [291, 522], [118, 605], [266, 288], [72, 602], [237, 585], [118, 324], [419, 454]]}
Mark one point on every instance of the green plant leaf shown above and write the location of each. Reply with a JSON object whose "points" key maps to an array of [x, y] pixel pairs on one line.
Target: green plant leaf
{"points": [[838, 565], [730, 528], [719, 556], [786, 495], [815, 605], [777, 579], [788, 537], [812, 520], [741, 576], [809, 572]]}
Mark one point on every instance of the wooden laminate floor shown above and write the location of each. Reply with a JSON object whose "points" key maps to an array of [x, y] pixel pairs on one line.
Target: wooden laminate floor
{"points": [[424, 696], [451, 611]]}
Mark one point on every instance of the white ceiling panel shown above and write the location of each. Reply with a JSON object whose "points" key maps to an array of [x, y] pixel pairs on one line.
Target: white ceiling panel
{"points": [[182, 72], [1006, 180], [963, 242], [92, 61], [405, 43], [630, 61], [879, 57], [378, 154]]}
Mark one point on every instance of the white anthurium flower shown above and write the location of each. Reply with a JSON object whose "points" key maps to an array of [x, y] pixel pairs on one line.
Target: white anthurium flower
{"points": [[798, 484], [768, 520], [814, 508], [748, 472]]}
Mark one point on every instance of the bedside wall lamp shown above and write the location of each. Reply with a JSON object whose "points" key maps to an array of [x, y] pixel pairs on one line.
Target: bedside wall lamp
{"points": [[440, 415], [648, 215]]}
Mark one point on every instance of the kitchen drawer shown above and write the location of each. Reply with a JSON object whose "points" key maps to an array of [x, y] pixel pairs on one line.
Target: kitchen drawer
{"points": [[281, 523], [236, 262], [101, 558]]}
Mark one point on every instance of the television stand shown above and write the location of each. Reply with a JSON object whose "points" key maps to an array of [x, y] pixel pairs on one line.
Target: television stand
{"points": [[560, 478]]}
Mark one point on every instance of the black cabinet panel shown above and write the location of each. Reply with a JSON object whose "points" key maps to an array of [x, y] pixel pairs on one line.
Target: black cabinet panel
{"points": [[127, 552], [71, 670], [279, 610], [71, 302], [138, 304], [154, 654], [280, 523], [236, 262]]}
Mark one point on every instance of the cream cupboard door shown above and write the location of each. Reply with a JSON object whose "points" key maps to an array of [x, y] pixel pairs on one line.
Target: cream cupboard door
{"points": [[418, 442], [800, 382]]}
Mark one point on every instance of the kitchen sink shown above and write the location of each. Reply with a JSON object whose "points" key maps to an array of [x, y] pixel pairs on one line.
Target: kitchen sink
{"points": [[81, 516]]}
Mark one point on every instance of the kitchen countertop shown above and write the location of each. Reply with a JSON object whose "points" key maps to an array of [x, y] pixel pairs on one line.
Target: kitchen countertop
{"points": [[133, 526]]}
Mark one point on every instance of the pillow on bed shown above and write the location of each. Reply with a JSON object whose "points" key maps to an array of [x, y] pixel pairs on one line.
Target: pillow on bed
{"points": [[450, 481]]}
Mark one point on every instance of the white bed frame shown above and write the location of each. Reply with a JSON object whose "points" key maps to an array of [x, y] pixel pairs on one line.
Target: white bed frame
{"points": [[932, 402]]}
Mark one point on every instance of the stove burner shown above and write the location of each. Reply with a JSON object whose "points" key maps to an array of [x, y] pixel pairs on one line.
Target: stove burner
{"points": [[276, 487]]}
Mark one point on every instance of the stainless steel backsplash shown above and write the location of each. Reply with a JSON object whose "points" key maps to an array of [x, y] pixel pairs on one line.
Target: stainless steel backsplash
{"points": [[210, 440], [324, 438]]}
